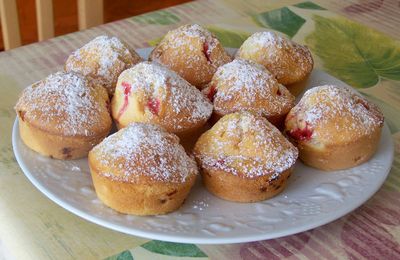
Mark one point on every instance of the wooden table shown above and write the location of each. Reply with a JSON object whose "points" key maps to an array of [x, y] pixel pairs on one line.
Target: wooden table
{"points": [[33, 227]]}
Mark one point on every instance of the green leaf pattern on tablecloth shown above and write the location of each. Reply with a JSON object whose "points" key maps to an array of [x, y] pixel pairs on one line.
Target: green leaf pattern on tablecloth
{"points": [[283, 20], [159, 17], [354, 53], [173, 249], [125, 255], [309, 5], [229, 38]]}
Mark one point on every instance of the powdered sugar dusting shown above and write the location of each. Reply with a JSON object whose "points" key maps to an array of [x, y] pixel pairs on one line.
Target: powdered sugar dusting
{"points": [[102, 59], [192, 31], [270, 38], [245, 85], [260, 40], [144, 150], [196, 31], [245, 145], [187, 104], [344, 110], [278, 54], [193, 52], [64, 100]]}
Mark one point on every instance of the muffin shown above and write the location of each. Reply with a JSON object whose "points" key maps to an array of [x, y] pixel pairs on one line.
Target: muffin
{"points": [[63, 116], [244, 158], [334, 128], [191, 51], [102, 60], [151, 93], [288, 61], [243, 85], [142, 170]]}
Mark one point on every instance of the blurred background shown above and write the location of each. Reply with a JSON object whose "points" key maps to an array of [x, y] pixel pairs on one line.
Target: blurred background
{"points": [[65, 14]]}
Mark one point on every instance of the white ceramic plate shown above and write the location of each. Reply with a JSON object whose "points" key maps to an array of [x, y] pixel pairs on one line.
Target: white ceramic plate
{"points": [[311, 199]]}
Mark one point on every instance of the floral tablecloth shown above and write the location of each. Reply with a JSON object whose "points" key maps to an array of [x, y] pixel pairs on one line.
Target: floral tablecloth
{"points": [[357, 42]]}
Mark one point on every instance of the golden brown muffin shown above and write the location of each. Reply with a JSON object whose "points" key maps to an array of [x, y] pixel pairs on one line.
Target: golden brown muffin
{"points": [[288, 61], [243, 85], [102, 60], [191, 51], [142, 170], [151, 93], [334, 128], [244, 158], [63, 116]]}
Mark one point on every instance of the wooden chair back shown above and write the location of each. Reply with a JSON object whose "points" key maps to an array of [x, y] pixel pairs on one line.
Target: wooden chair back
{"points": [[90, 13]]}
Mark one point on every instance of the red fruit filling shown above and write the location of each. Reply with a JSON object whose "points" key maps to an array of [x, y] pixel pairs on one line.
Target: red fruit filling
{"points": [[211, 93], [301, 134], [219, 163], [127, 91], [154, 105], [206, 51]]}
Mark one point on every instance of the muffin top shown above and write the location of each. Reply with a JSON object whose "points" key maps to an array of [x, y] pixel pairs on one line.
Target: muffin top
{"points": [[245, 145], [288, 61], [150, 92], [102, 60], [142, 153], [243, 85], [332, 115], [65, 104], [177, 37], [191, 51]]}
